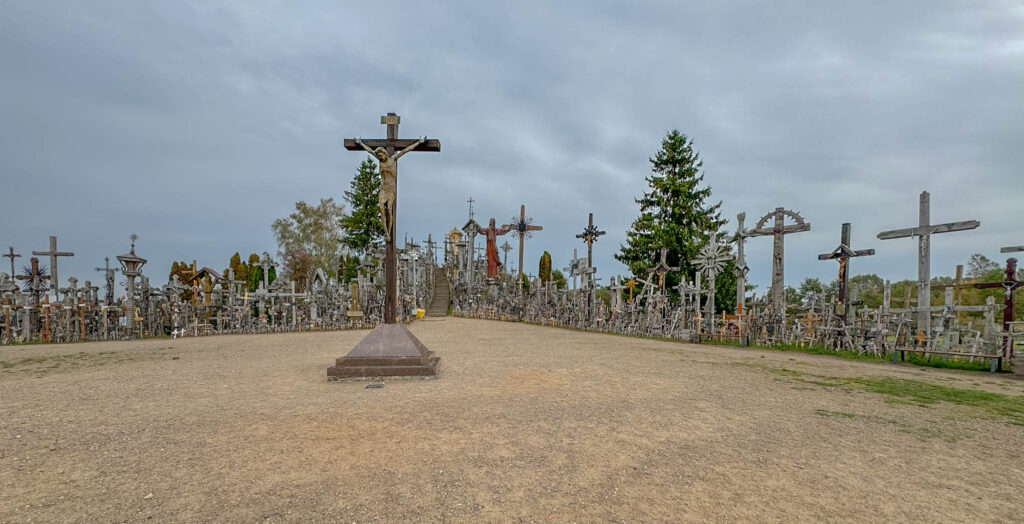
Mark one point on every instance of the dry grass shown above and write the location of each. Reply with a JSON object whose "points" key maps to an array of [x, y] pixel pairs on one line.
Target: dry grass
{"points": [[525, 423]]}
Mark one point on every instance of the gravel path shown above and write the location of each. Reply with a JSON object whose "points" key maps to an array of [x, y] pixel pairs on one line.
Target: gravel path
{"points": [[524, 423]]}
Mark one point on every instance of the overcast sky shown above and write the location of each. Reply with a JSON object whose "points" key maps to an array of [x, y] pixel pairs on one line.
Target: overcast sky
{"points": [[195, 125]]}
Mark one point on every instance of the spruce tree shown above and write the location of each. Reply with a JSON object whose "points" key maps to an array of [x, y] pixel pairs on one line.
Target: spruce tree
{"points": [[363, 226], [674, 215]]}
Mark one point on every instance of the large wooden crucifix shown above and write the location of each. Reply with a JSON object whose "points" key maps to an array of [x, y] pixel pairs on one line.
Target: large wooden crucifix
{"points": [[589, 235], [843, 254], [778, 230], [522, 227], [923, 231], [12, 255], [53, 254], [384, 151]]}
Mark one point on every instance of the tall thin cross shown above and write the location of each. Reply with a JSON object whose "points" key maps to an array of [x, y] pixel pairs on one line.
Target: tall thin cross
{"points": [[522, 227], [471, 207], [741, 264], [53, 254], [108, 275], [505, 248], [1009, 285], [778, 230], [923, 231], [12, 255], [390, 144], [589, 235], [843, 254]]}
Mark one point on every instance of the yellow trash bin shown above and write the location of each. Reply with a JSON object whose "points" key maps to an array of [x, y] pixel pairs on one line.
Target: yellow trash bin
{"points": [[420, 313]]}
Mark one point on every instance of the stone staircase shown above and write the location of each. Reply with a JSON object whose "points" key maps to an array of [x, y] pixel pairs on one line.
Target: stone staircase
{"points": [[442, 296]]}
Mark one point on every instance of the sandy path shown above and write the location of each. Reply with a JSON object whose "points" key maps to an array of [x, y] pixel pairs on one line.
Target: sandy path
{"points": [[525, 423]]}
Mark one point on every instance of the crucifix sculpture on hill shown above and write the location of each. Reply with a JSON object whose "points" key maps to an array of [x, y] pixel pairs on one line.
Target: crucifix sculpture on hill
{"points": [[390, 349], [843, 254], [589, 235], [522, 227], [384, 150], [923, 231]]}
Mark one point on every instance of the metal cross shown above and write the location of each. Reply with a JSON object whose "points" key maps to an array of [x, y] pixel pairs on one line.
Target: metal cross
{"points": [[53, 254], [843, 254], [34, 277], [923, 231], [711, 261], [522, 227]]}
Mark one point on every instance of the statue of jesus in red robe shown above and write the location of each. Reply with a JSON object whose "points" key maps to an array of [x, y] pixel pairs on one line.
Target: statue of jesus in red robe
{"points": [[492, 234]]}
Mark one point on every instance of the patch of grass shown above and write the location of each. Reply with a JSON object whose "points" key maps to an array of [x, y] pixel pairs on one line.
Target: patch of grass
{"points": [[921, 393], [923, 360]]}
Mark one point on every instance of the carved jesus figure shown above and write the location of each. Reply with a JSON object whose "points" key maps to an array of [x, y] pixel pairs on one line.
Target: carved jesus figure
{"points": [[388, 182], [492, 233]]}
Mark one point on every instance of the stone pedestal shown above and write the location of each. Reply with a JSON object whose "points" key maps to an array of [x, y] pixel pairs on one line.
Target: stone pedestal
{"points": [[390, 350]]}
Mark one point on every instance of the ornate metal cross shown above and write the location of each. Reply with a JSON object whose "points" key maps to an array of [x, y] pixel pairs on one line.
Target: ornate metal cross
{"points": [[522, 227], [923, 231], [390, 144], [711, 261], [843, 254], [33, 277], [53, 254]]}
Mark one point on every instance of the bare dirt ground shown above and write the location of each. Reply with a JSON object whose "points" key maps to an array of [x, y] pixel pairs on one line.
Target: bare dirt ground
{"points": [[525, 423]]}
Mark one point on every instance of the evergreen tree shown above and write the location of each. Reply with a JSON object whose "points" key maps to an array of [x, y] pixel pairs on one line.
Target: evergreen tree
{"points": [[363, 226], [255, 272], [675, 215], [545, 267]]}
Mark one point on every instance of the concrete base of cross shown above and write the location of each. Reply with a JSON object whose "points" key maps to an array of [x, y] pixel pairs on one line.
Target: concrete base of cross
{"points": [[390, 350]]}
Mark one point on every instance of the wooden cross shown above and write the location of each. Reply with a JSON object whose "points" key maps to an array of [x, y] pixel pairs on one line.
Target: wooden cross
{"points": [[923, 231], [34, 278], [53, 254], [778, 230], [740, 237], [390, 144], [631, 285], [12, 255], [471, 207], [663, 268], [843, 254], [522, 227], [1010, 284]]}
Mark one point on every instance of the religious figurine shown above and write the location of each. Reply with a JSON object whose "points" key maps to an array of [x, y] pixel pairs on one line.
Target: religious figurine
{"points": [[388, 181], [492, 234]]}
